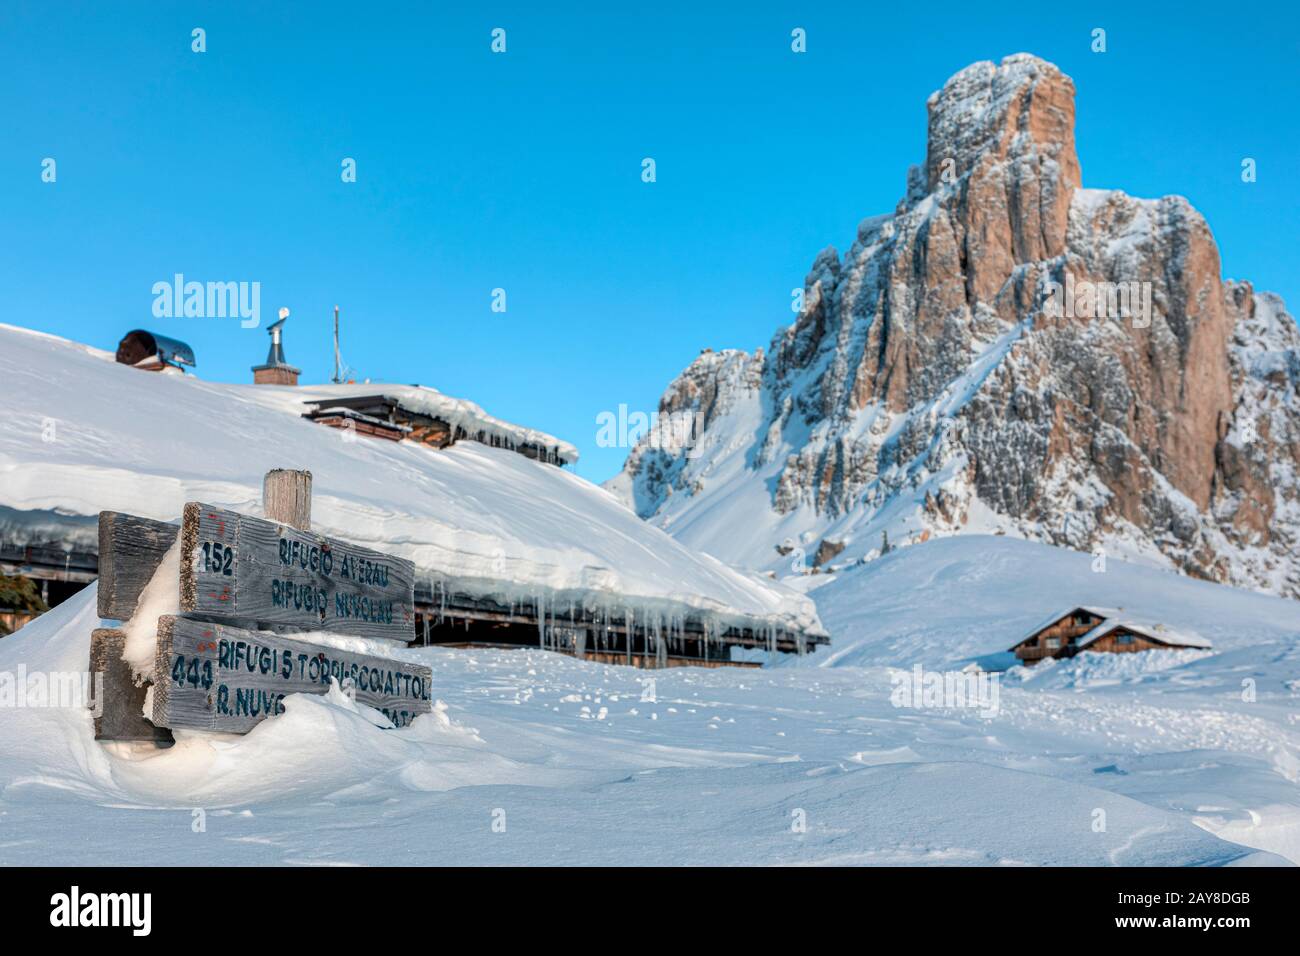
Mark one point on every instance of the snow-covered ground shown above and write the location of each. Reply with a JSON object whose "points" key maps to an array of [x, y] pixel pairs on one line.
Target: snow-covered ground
{"points": [[532, 757]]}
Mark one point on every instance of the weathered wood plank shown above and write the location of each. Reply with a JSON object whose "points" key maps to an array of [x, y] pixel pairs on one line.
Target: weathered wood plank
{"points": [[286, 497], [242, 568], [217, 677], [119, 699], [130, 550]]}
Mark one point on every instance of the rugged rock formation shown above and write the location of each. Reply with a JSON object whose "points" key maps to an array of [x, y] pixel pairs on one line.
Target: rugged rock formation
{"points": [[1007, 352]]}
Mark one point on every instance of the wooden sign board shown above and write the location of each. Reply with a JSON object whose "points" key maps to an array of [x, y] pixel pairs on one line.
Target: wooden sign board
{"points": [[130, 550], [218, 677], [120, 710], [249, 569]]}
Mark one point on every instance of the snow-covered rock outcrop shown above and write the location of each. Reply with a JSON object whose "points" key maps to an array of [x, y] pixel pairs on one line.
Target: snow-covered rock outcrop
{"points": [[1006, 352]]}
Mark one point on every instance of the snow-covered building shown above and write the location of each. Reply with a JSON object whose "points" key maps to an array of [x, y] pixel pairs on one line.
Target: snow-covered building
{"points": [[1101, 630], [507, 549], [425, 415]]}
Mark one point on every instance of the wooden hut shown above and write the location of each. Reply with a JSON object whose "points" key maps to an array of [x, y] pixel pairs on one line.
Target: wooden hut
{"points": [[417, 414], [344, 415], [36, 576], [1125, 636], [1101, 630], [448, 617]]}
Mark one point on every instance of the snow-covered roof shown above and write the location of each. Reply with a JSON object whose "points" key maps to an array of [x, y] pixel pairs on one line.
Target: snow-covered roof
{"points": [[1156, 632], [1113, 617], [83, 433], [1101, 612], [342, 411], [423, 400]]}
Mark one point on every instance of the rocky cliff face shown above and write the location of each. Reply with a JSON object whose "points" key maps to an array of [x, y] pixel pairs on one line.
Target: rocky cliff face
{"points": [[1007, 352]]}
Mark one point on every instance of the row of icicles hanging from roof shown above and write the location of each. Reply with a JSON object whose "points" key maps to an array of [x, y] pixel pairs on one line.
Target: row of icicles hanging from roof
{"points": [[668, 631]]}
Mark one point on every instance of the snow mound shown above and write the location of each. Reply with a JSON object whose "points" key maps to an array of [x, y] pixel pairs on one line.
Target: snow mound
{"points": [[1091, 669], [536, 758]]}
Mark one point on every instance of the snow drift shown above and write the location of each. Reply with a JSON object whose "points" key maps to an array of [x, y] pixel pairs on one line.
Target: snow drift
{"points": [[537, 758]]}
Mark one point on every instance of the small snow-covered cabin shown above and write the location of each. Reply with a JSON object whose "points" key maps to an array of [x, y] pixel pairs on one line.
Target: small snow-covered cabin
{"points": [[1102, 630], [425, 415], [1124, 635], [39, 568]]}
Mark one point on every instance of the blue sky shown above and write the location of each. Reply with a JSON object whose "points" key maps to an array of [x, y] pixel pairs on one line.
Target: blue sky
{"points": [[522, 170]]}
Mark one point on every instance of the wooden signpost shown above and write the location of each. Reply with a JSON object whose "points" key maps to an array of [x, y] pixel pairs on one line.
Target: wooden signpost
{"points": [[130, 550], [217, 677], [245, 584], [121, 711], [248, 569]]}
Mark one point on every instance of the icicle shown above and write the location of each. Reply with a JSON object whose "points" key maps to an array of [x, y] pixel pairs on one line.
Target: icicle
{"points": [[540, 604], [629, 619]]}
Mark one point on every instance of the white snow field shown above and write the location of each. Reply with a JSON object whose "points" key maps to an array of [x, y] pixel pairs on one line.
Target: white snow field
{"points": [[536, 758]]}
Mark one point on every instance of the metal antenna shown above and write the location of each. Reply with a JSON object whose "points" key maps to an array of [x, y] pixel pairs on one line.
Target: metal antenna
{"points": [[337, 378]]}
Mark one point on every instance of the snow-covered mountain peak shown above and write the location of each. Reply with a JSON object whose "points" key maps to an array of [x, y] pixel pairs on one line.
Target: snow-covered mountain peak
{"points": [[1020, 112], [1006, 352]]}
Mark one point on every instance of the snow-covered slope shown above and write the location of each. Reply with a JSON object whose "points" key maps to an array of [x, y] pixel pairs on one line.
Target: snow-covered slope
{"points": [[951, 601], [939, 380], [536, 758], [83, 434]]}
